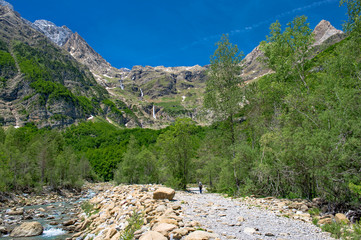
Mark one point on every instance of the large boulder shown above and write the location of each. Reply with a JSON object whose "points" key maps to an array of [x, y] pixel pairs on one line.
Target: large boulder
{"points": [[27, 229], [152, 235], [341, 218], [201, 235], [164, 228], [164, 193]]}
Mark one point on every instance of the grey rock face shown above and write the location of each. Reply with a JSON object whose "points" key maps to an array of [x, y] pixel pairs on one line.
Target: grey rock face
{"points": [[160, 81], [5, 3], [324, 30], [86, 55], [58, 35], [19, 102]]}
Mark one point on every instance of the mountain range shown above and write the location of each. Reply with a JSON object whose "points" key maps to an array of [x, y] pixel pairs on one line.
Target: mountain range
{"points": [[52, 77]]}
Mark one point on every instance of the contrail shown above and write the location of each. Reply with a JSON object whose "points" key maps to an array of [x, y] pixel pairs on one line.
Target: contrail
{"points": [[268, 21], [252, 27]]}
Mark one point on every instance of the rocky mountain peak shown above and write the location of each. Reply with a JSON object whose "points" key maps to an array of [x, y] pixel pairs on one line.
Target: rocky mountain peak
{"points": [[5, 3], [323, 31], [58, 35]]}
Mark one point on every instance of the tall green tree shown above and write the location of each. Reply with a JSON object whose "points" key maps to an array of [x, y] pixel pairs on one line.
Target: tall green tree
{"points": [[223, 94], [287, 53], [128, 170], [178, 147], [353, 12]]}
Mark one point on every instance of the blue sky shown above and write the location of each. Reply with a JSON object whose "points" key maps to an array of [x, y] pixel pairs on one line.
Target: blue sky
{"points": [[173, 33]]}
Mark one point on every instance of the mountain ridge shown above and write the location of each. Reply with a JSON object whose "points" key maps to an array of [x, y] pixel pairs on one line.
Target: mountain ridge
{"points": [[44, 84], [156, 96]]}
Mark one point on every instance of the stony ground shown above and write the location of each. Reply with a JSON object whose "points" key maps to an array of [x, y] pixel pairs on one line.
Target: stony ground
{"points": [[235, 219], [189, 216]]}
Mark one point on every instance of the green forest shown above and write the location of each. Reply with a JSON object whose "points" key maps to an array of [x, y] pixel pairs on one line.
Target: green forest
{"points": [[294, 133]]}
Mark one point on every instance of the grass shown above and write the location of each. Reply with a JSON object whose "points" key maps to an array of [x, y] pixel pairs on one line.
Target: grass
{"points": [[135, 222], [314, 211], [88, 208], [342, 230]]}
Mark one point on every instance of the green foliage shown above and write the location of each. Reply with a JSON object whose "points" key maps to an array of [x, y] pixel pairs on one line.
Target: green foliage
{"points": [[7, 66], [334, 228], [353, 12], [47, 70], [287, 53], [138, 165], [31, 158], [355, 188], [314, 211], [104, 144], [135, 222], [223, 86], [224, 96], [298, 136], [342, 230], [173, 108], [88, 208], [177, 146]]}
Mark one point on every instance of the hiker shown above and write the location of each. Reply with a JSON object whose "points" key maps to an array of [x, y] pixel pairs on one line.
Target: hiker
{"points": [[200, 187]]}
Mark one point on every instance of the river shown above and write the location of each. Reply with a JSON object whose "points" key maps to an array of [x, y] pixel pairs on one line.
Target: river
{"points": [[51, 216]]}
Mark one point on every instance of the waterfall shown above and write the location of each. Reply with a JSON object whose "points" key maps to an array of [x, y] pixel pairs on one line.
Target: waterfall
{"points": [[141, 93], [154, 113], [121, 84]]}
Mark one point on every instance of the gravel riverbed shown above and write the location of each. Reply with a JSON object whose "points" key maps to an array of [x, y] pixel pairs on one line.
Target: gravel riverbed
{"points": [[233, 219]]}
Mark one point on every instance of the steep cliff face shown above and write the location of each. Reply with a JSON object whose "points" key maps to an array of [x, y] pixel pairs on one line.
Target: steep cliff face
{"points": [[39, 81], [4, 3], [82, 52], [58, 35], [158, 95], [160, 81]]}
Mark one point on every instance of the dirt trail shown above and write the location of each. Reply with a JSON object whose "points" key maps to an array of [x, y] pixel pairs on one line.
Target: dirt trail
{"points": [[233, 219]]}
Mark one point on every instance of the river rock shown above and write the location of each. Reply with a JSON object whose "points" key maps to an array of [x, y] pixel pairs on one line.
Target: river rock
{"points": [[303, 208], [326, 220], [341, 218], [164, 228], [27, 229], [15, 211], [201, 235], [241, 219], [152, 235], [161, 208], [249, 231], [69, 222], [179, 233], [3, 230], [164, 193]]}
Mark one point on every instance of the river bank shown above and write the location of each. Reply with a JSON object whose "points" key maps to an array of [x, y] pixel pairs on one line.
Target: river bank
{"points": [[105, 211], [54, 210]]}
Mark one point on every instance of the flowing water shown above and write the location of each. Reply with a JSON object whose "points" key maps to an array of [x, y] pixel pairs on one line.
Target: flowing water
{"points": [[154, 116], [55, 213]]}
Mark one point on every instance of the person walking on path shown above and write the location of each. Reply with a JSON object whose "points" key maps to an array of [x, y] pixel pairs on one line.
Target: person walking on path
{"points": [[200, 187]]}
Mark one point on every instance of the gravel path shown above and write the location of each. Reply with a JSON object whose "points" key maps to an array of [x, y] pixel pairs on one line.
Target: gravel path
{"points": [[224, 217]]}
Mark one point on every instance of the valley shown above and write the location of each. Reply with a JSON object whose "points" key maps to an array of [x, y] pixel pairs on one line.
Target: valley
{"points": [[273, 135]]}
